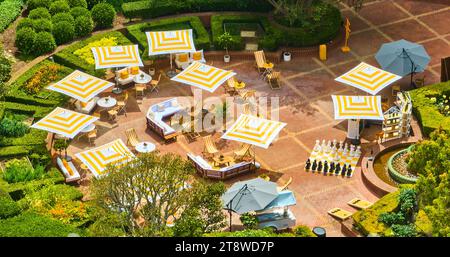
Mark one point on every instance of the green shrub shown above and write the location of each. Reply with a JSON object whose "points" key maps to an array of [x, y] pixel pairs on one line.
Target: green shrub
{"points": [[9, 10], [427, 112], [14, 151], [42, 25], [67, 57], [19, 170], [8, 207], [59, 7], [25, 39], [250, 233], [5, 69], [404, 230], [117, 4], [30, 224], [103, 15], [80, 11], [249, 220], [24, 23], [158, 8], [12, 128], [39, 13], [201, 36], [64, 16], [83, 26], [303, 231], [44, 43], [63, 32], [77, 3], [391, 218], [91, 3], [33, 4]]}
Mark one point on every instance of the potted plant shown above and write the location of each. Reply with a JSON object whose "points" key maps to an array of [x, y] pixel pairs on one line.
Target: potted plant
{"points": [[225, 40], [61, 145], [287, 56]]}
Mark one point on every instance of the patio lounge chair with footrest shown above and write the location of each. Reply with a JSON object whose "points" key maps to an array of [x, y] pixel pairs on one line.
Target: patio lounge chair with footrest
{"points": [[274, 80], [359, 204], [210, 148], [68, 169], [340, 213], [132, 137], [263, 66], [242, 152]]}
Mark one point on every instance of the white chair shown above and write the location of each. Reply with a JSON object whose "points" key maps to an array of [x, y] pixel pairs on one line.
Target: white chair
{"points": [[86, 108], [70, 175], [183, 64], [124, 81], [194, 56]]}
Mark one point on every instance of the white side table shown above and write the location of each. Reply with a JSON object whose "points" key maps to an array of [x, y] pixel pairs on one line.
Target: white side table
{"points": [[145, 147], [107, 102]]}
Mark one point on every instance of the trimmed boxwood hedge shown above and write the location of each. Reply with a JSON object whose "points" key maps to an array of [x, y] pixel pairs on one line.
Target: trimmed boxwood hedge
{"points": [[158, 8], [268, 41], [201, 36], [426, 112], [9, 10], [67, 58]]}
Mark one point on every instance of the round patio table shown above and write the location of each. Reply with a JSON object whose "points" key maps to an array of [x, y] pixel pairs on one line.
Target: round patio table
{"points": [[145, 147], [142, 78], [319, 232], [107, 102], [88, 128]]}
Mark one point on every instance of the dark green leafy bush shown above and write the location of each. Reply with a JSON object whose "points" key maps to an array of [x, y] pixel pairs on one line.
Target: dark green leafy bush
{"points": [[63, 32], [249, 220], [64, 16], [80, 11], [30, 224], [303, 231], [20, 170], [12, 128], [5, 68], [24, 23], [42, 25], [75, 3], [103, 15], [392, 218], [8, 207], [59, 7], [83, 26], [91, 3], [39, 13], [25, 39], [33, 4], [44, 43], [404, 230]]}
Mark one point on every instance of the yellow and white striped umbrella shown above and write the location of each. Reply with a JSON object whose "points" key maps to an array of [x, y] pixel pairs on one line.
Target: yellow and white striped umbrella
{"points": [[80, 86], [116, 56], [357, 107], [113, 153], [203, 76], [253, 130], [368, 78], [170, 42], [64, 122]]}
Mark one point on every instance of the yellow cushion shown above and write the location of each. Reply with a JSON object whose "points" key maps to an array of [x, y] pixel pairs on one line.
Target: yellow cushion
{"points": [[67, 166], [197, 56], [83, 104], [183, 57], [124, 74], [134, 70]]}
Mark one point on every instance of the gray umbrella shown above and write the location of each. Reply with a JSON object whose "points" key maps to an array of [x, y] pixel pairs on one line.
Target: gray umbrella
{"points": [[249, 195], [403, 57]]}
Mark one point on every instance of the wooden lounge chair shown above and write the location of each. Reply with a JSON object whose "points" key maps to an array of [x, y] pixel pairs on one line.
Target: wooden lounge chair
{"points": [[263, 66], [230, 86], [123, 104], [340, 213], [154, 84], [242, 152], [132, 137], [91, 136], [285, 186], [246, 95], [359, 204], [140, 89], [274, 80], [210, 148]]}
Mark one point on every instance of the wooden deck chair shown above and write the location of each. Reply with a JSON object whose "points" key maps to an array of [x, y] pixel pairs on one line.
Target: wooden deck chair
{"points": [[210, 148], [260, 59], [140, 89], [123, 104], [274, 80], [91, 136], [248, 94], [340, 213], [230, 86], [132, 137], [155, 84], [359, 204], [285, 186], [242, 152]]}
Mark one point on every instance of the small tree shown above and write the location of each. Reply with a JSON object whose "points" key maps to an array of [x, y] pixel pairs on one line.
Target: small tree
{"points": [[61, 145], [225, 40]]}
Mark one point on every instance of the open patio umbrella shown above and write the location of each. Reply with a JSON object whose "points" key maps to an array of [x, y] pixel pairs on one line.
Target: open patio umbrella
{"points": [[249, 195], [403, 57], [116, 56], [203, 76], [368, 78], [113, 153], [354, 108], [170, 42], [64, 122], [80, 86]]}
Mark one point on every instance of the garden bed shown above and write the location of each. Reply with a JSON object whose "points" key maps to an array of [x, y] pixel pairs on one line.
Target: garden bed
{"points": [[426, 111], [67, 57], [201, 36]]}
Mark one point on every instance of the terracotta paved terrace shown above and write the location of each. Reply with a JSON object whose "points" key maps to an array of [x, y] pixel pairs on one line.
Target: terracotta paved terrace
{"points": [[306, 106]]}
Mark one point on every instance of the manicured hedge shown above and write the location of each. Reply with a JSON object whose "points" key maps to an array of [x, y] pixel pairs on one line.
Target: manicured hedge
{"points": [[8, 207], [13, 151], [67, 58], [427, 112], [267, 42], [30, 224], [158, 8], [9, 10], [201, 36]]}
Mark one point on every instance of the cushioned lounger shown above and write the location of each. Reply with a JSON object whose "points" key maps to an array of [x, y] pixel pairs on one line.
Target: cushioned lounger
{"points": [[339, 213], [359, 204]]}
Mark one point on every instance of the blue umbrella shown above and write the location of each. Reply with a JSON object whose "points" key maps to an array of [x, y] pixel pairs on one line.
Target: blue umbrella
{"points": [[403, 57]]}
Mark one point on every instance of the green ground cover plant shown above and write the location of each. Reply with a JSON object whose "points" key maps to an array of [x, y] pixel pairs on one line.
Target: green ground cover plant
{"points": [[9, 10]]}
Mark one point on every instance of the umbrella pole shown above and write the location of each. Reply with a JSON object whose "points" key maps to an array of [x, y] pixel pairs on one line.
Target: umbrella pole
{"points": [[230, 218]]}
